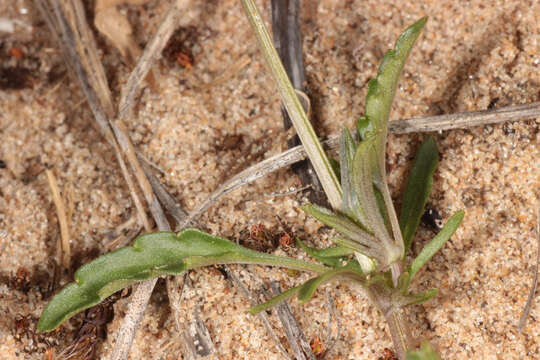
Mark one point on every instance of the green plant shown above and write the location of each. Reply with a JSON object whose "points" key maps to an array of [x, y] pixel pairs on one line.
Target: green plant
{"points": [[370, 251]]}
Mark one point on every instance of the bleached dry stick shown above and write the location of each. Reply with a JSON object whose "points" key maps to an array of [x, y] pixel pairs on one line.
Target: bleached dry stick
{"points": [[64, 248], [53, 13], [435, 123], [467, 119], [141, 296]]}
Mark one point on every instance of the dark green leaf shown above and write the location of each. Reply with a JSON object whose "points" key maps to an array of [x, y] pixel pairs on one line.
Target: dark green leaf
{"points": [[341, 223], [418, 190], [152, 255], [308, 289], [382, 89], [335, 166], [362, 128], [436, 243], [332, 256], [276, 300], [419, 298], [351, 204]]}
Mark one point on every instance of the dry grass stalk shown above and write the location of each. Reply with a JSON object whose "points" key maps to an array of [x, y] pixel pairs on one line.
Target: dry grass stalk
{"points": [[64, 250], [262, 315], [528, 305], [90, 75], [466, 119], [68, 32], [299, 344], [436, 123]]}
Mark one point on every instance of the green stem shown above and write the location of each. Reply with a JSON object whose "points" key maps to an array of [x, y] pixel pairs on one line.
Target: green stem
{"points": [[305, 131], [395, 317], [256, 259]]}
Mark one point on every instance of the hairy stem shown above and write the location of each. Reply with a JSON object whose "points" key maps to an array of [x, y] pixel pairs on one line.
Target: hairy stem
{"points": [[395, 317]]}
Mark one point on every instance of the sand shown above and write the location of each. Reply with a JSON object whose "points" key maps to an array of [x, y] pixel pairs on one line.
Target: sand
{"points": [[473, 55]]}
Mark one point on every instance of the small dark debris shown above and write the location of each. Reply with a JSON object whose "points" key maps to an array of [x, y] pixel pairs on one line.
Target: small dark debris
{"points": [[492, 103], [508, 128], [57, 72], [91, 333], [15, 78], [388, 354], [179, 48], [230, 142], [2, 164], [222, 270], [259, 238], [33, 168], [432, 219]]}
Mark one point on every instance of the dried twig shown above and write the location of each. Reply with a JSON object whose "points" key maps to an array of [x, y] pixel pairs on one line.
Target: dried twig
{"points": [[262, 315], [150, 54], [142, 294], [291, 156], [527, 308], [467, 119], [64, 251], [90, 77], [74, 50], [331, 340], [295, 335], [165, 198]]}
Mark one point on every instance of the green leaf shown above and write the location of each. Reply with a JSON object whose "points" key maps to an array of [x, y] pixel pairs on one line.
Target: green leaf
{"points": [[418, 190], [276, 300], [307, 289], [381, 92], [426, 352], [413, 299], [362, 179], [362, 127], [150, 256], [436, 243], [351, 205], [332, 256], [382, 89], [341, 223]]}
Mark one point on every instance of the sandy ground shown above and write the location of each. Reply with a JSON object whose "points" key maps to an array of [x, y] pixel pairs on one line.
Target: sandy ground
{"points": [[473, 55]]}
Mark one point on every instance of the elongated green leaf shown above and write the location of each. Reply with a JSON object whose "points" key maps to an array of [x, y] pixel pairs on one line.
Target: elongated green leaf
{"points": [[426, 352], [152, 255], [307, 289], [362, 180], [418, 189], [332, 256], [382, 89], [419, 298], [276, 300], [341, 223], [436, 243], [381, 92], [351, 204]]}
